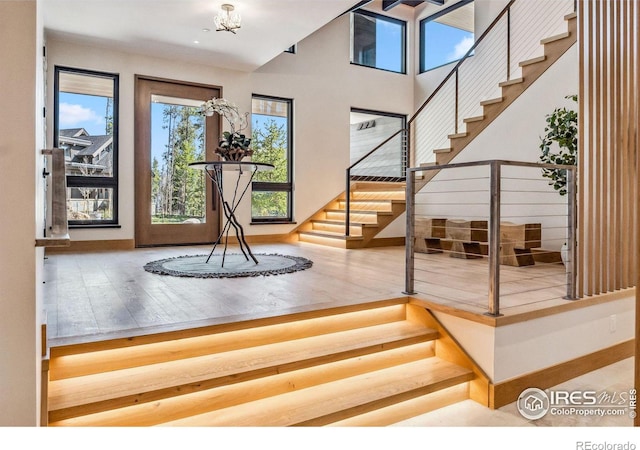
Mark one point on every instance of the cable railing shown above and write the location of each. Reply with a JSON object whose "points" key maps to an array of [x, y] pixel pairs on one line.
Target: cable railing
{"points": [[490, 234], [513, 36]]}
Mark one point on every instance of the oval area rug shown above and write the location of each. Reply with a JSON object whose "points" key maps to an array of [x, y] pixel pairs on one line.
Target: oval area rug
{"points": [[235, 265]]}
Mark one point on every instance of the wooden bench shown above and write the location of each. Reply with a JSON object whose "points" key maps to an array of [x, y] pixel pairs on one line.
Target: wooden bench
{"points": [[517, 242], [428, 233], [469, 239]]}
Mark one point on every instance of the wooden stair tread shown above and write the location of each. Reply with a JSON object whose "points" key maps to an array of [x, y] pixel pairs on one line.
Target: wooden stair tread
{"points": [[473, 119], [330, 235], [557, 37], [360, 211], [169, 348], [323, 402], [511, 82], [203, 401], [131, 382], [531, 61], [342, 222]]}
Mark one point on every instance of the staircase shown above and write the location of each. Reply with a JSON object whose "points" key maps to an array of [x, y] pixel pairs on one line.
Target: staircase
{"points": [[374, 205], [373, 364], [372, 208]]}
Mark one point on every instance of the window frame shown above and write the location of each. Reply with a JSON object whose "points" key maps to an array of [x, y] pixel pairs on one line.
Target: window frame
{"points": [[421, 38], [377, 16], [270, 186], [77, 181]]}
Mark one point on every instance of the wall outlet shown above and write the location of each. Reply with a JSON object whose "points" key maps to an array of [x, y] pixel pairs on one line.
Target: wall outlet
{"points": [[612, 323]]}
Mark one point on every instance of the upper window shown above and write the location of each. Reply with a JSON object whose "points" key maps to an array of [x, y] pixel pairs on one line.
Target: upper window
{"points": [[86, 128], [271, 196], [378, 41], [446, 36]]}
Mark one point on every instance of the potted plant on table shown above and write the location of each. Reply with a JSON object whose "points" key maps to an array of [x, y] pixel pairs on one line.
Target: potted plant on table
{"points": [[234, 145], [559, 145]]}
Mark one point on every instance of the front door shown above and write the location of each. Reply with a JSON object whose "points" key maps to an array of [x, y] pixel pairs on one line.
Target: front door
{"points": [[174, 203]]}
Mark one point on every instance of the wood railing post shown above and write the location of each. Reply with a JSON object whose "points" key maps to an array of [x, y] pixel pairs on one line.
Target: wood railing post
{"points": [[347, 206], [572, 224]]}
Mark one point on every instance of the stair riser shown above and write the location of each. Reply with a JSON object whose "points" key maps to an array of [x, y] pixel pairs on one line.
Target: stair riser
{"points": [[355, 217], [367, 206], [336, 228], [99, 361], [182, 406], [389, 195]]}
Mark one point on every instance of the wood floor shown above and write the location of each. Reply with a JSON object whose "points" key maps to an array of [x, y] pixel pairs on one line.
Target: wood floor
{"points": [[92, 296]]}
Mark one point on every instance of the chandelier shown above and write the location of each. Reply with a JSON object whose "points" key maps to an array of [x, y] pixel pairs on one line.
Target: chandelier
{"points": [[227, 20]]}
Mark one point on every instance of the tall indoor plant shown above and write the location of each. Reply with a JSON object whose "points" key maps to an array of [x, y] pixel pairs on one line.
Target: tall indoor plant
{"points": [[559, 144]]}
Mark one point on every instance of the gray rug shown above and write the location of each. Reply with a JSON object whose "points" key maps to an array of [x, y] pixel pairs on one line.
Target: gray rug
{"points": [[235, 265]]}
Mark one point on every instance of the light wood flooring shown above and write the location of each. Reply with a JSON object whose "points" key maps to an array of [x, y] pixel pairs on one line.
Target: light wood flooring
{"points": [[97, 295]]}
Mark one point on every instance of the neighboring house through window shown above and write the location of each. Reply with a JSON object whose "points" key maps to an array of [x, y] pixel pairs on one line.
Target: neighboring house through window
{"points": [[272, 191], [447, 35], [86, 128], [378, 41]]}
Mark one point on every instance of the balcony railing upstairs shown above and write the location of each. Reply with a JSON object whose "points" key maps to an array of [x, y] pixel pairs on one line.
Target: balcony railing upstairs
{"points": [[489, 235]]}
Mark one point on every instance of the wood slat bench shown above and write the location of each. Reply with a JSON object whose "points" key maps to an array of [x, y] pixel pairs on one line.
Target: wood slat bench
{"points": [[469, 239]]}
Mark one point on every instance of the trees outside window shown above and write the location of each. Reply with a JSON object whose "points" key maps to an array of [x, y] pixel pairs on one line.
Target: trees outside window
{"points": [[271, 198]]}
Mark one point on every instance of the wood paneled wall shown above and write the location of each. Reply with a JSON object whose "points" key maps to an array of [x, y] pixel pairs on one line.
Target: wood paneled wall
{"points": [[607, 159]]}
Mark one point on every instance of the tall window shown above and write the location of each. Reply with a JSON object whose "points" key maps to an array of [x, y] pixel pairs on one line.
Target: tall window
{"points": [[86, 128], [378, 41], [271, 197], [446, 36]]}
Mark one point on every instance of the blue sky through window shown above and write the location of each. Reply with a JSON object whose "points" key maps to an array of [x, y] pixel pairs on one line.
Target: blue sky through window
{"points": [[82, 111], [443, 44]]}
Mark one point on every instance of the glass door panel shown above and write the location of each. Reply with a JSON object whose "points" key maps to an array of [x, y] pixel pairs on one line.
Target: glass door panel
{"points": [[178, 138]]}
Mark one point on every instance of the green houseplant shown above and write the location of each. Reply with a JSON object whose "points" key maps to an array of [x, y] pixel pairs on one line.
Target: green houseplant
{"points": [[559, 144]]}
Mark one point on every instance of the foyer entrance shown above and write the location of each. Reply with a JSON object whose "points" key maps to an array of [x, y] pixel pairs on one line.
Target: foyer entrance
{"points": [[174, 204]]}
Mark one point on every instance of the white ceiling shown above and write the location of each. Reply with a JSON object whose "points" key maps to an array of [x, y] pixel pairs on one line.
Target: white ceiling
{"points": [[168, 28]]}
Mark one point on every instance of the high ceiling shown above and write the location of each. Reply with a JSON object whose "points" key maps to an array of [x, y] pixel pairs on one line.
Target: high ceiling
{"points": [[170, 28]]}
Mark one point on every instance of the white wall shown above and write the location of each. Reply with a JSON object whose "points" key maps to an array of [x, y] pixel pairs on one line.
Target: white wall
{"points": [[319, 78], [21, 221], [515, 350]]}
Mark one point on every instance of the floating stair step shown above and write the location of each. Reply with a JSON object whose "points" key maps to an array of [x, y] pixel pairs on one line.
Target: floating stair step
{"points": [[337, 400], [531, 61], [382, 205], [85, 359], [355, 215], [126, 387], [204, 401], [557, 37], [491, 101], [442, 150], [337, 226], [379, 195], [457, 135], [511, 82], [329, 235], [408, 409], [473, 119]]}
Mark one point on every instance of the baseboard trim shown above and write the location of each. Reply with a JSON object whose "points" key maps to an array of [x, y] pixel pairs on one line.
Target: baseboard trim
{"points": [[506, 392], [94, 246], [386, 242]]}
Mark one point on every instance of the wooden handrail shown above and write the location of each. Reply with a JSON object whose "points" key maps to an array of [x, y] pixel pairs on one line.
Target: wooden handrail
{"points": [[59, 225]]}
